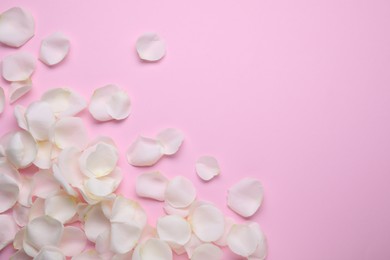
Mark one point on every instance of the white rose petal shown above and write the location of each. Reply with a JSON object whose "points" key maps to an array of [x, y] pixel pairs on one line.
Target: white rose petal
{"points": [[64, 102], [20, 214], [60, 207], [9, 192], [40, 119], [151, 185], [144, 152], [191, 245], [124, 236], [152, 249], [89, 254], [18, 89], [25, 186], [50, 252], [73, 241], [171, 140], [44, 184], [229, 222], [180, 192], [18, 66], [37, 209], [207, 168], [126, 210], [20, 255], [169, 210], [207, 251], [54, 48], [68, 164], [43, 158], [70, 132], [245, 197], [242, 240], [150, 47], [95, 223], [173, 229], [261, 250], [208, 223], [16, 27], [19, 113], [21, 149], [2, 100], [8, 230]]}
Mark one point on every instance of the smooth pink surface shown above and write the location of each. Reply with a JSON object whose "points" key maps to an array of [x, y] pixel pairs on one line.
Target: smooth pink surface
{"points": [[294, 93]]}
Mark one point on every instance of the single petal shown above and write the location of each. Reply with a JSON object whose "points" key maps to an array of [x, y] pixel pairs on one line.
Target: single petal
{"points": [[20, 214], [19, 113], [19, 89], [8, 230], [208, 223], [180, 192], [21, 149], [173, 229], [70, 132], [43, 159], [242, 240], [16, 27], [222, 241], [124, 236], [150, 47], [44, 184], [207, 167], [144, 152], [39, 119], [89, 254], [126, 210], [9, 192], [54, 48], [60, 207], [43, 231], [151, 185], [171, 140], [18, 66], [152, 249], [20, 255], [64, 101], [207, 251], [50, 252], [245, 197], [73, 241], [2, 100], [109, 102], [95, 223]]}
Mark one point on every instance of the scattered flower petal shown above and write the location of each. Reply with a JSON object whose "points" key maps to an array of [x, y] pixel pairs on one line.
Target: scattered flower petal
{"points": [[43, 158], [151, 185], [20, 214], [44, 184], [8, 230], [54, 48], [70, 132], [20, 149], [95, 223], [19, 113], [16, 27], [20, 255], [207, 251], [173, 229], [73, 241], [242, 240], [119, 231], [89, 254], [150, 47], [208, 223], [144, 152], [152, 249], [19, 89], [9, 192], [207, 168], [171, 140], [40, 119], [180, 192], [18, 66], [60, 207], [64, 102]]}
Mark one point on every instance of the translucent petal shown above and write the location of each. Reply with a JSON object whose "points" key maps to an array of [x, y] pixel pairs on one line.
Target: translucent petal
{"points": [[64, 102], [58, 176], [70, 132], [180, 192], [43, 159], [16, 27], [245, 197], [173, 229], [207, 168], [20, 214], [60, 207], [242, 240], [54, 48], [50, 252], [9, 170], [99, 187], [8, 230], [208, 223], [171, 140], [18, 66], [151, 185], [144, 152], [9, 192], [95, 223], [124, 236], [39, 119], [207, 251], [19, 89], [152, 249], [150, 47], [21, 149], [73, 241], [2, 100]]}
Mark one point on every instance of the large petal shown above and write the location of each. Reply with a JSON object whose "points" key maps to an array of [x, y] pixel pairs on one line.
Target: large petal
{"points": [[208, 223], [245, 197], [180, 192], [16, 27], [60, 207], [18, 66], [207, 251], [18, 89], [207, 167], [54, 48], [70, 132], [95, 223], [173, 229], [73, 241], [144, 152], [9, 192], [171, 140], [150, 47], [222, 241], [2, 100], [8, 230], [21, 149], [151, 185], [40, 119], [152, 249], [64, 102]]}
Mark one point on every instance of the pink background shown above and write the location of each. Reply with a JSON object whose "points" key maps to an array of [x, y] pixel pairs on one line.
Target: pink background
{"points": [[294, 93]]}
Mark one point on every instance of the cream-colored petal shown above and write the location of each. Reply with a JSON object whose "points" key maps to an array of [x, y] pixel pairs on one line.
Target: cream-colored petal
{"points": [[25, 187], [18, 89], [89, 254], [150, 47], [171, 140], [9, 170], [95, 223], [60, 207], [8, 230], [37, 209], [2, 100], [68, 165], [16, 27], [40, 120], [207, 251], [119, 105], [50, 253], [151, 185], [152, 249], [207, 167], [44, 184], [73, 241], [70, 132], [99, 188], [9, 192], [21, 149], [64, 102], [144, 152], [19, 113], [191, 245], [208, 223], [54, 48], [261, 249], [20, 214], [18, 66], [242, 240], [124, 236], [127, 210], [43, 158], [173, 229], [182, 212], [18, 239], [229, 222], [180, 192], [245, 197]]}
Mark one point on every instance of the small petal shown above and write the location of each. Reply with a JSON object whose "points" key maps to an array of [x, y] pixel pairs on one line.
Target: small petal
{"points": [[64, 102], [73, 241], [95, 223], [60, 207], [70, 132], [8, 230], [144, 152], [207, 251], [16, 27], [18, 66], [152, 249], [109, 102], [50, 252], [173, 229], [245, 197], [21, 149], [39, 119], [19, 89], [208, 223], [151, 185], [2, 100], [180, 192], [171, 140], [242, 240], [150, 47], [54, 48], [207, 168], [43, 159], [20, 214], [9, 192]]}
